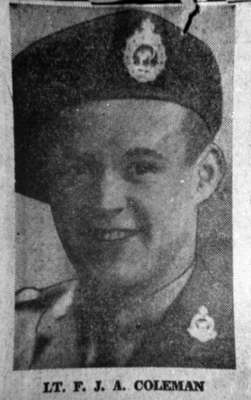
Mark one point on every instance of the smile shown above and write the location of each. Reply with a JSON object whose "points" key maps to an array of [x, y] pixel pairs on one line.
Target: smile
{"points": [[111, 235]]}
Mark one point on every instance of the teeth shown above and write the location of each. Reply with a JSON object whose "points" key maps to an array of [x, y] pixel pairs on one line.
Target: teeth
{"points": [[113, 235]]}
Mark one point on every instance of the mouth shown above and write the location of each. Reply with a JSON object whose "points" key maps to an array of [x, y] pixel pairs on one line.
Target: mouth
{"points": [[112, 235]]}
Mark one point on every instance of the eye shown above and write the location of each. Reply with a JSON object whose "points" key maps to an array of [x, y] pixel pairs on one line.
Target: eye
{"points": [[139, 168], [84, 168], [73, 172]]}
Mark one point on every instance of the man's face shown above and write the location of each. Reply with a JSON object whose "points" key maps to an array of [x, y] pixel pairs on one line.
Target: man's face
{"points": [[122, 194]]}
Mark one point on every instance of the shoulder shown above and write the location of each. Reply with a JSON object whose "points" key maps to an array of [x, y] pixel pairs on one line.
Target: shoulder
{"points": [[211, 284], [198, 330], [217, 255], [32, 298], [31, 304], [207, 302]]}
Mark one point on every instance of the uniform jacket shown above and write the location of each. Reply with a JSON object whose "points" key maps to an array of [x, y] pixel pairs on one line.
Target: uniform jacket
{"points": [[197, 330]]}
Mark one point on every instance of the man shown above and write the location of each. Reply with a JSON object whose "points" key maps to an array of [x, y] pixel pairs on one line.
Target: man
{"points": [[114, 127]]}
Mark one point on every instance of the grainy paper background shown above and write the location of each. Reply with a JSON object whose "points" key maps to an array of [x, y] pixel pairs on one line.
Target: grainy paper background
{"points": [[211, 25]]}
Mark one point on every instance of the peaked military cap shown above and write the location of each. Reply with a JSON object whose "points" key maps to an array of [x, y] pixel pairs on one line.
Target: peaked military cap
{"points": [[127, 54]]}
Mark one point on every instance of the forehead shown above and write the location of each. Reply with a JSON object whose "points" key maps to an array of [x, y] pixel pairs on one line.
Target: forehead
{"points": [[122, 124]]}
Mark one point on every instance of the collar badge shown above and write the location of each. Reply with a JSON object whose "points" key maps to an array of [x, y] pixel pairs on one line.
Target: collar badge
{"points": [[144, 55], [202, 326]]}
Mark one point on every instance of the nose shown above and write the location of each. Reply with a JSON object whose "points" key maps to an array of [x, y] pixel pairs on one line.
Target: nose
{"points": [[113, 191]]}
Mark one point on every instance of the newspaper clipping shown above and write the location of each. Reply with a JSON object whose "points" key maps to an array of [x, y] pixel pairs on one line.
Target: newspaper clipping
{"points": [[125, 201]]}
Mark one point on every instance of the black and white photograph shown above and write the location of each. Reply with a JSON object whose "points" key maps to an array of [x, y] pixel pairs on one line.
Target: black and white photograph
{"points": [[126, 244], [115, 122]]}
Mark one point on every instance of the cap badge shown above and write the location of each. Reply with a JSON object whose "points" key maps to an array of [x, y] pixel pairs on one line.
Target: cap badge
{"points": [[144, 55], [202, 326]]}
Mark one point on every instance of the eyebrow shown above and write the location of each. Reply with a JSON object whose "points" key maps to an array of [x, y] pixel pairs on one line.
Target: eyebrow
{"points": [[144, 151]]}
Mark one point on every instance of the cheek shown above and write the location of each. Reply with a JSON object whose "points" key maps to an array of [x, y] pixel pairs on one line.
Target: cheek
{"points": [[77, 191], [63, 219], [71, 201], [169, 204], [64, 206]]}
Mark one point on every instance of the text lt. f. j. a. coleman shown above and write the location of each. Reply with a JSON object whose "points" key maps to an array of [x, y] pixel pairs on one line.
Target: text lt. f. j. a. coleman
{"points": [[137, 385]]}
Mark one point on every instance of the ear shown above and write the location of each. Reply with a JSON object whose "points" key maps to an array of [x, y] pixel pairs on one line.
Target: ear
{"points": [[210, 168]]}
